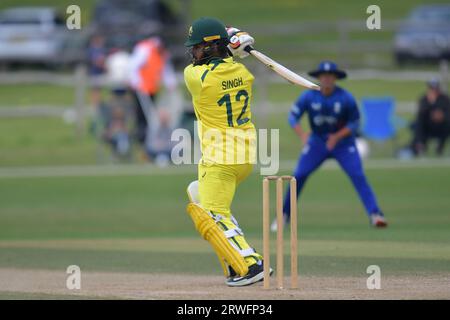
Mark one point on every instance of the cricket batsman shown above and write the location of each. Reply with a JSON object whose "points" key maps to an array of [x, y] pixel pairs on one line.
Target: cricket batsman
{"points": [[221, 90], [334, 119]]}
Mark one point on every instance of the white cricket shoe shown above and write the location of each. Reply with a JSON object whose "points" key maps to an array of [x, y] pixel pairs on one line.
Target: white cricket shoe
{"points": [[378, 221], [274, 225]]}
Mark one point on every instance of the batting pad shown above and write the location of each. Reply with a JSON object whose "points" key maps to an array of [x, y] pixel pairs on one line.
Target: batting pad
{"points": [[192, 191], [223, 264], [209, 230]]}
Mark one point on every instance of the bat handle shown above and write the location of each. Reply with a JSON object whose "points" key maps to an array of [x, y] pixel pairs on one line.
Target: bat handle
{"points": [[248, 49]]}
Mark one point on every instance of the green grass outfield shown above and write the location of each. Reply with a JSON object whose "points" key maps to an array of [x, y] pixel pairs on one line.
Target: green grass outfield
{"points": [[137, 223]]}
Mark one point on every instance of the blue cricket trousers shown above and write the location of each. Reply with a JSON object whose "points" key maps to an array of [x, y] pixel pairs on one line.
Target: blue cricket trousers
{"points": [[315, 153]]}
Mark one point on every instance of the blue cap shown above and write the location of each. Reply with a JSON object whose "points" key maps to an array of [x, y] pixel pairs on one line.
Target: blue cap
{"points": [[328, 67]]}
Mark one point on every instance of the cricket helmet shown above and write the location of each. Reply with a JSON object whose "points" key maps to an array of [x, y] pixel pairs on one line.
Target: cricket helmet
{"points": [[206, 30]]}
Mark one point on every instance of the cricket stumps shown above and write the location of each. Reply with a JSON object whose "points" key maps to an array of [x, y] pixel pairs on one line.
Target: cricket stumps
{"points": [[279, 239]]}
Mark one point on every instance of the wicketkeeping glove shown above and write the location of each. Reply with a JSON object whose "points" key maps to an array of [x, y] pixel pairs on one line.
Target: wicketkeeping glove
{"points": [[239, 40]]}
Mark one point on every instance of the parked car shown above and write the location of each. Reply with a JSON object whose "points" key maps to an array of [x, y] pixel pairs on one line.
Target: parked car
{"points": [[425, 35], [37, 35]]}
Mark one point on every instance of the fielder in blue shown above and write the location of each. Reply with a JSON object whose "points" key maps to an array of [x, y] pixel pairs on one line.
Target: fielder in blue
{"points": [[334, 119]]}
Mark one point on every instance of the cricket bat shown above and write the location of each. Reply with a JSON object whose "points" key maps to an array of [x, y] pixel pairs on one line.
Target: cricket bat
{"points": [[282, 70]]}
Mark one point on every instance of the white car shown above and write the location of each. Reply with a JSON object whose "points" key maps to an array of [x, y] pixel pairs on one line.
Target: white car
{"points": [[425, 35], [36, 34]]}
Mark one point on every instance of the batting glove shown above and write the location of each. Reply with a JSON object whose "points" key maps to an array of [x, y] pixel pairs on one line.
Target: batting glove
{"points": [[239, 40]]}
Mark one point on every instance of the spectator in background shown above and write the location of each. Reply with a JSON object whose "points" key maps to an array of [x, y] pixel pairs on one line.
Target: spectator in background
{"points": [[433, 119], [96, 54], [149, 67], [115, 114], [117, 66], [159, 144]]}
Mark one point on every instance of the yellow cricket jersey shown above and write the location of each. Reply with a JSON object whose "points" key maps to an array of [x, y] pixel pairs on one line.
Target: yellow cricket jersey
{"points": [[221, 94]]}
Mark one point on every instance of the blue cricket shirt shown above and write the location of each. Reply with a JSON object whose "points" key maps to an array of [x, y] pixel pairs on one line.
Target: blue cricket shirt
{"points": [[327, 114]]}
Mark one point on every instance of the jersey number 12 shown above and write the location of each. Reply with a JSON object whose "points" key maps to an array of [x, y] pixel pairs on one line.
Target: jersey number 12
{"points": [[227, 100]]}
